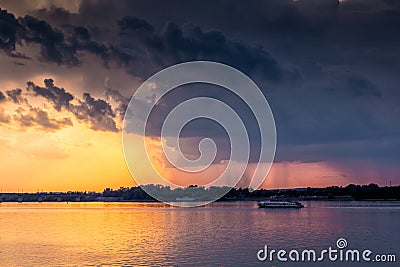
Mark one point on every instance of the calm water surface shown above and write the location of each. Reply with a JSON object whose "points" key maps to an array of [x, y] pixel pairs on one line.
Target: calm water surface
{"points": [[221, 234]]}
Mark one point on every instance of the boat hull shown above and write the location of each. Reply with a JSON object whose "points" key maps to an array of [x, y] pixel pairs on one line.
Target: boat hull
{"points": [[280, 205]]}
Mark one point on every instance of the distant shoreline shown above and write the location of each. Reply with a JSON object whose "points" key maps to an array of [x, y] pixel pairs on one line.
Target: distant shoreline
{"points": [[219, 201], [371, 192]]}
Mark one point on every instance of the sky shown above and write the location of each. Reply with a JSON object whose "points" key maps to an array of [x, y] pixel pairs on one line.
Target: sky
{"points": [[329, 70]]}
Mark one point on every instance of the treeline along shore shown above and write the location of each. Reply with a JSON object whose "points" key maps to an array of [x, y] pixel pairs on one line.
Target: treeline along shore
{"points": [[349, 192]]}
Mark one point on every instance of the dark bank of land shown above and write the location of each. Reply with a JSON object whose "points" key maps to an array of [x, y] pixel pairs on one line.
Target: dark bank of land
{"points": [[350, 192]]}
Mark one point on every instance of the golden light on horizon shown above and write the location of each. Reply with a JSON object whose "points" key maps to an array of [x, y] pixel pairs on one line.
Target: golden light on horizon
{"points": [[74, 158], [80, 159]]}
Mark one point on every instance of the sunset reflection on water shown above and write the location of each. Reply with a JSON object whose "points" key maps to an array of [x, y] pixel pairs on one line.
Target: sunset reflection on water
{"points": [[153, 234]]}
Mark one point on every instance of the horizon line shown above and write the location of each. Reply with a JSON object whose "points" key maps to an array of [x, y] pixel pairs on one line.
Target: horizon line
{"points": [[129, 187]]}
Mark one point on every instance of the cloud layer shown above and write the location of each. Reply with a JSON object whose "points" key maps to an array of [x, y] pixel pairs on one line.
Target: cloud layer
{"points": [[98, 114], [327, 68]]}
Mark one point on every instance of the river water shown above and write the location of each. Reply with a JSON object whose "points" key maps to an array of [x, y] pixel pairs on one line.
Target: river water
{"points": [[220, 234]]}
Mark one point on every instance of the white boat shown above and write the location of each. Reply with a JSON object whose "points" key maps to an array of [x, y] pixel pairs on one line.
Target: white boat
{"points": [[280, 204]]}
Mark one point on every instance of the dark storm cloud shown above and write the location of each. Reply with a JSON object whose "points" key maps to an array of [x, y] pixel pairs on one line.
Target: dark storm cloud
{"points": [[8, 30], [96, 112], [56, 15], [176, 44], [38, 118], [8, 33], [15, 95], [142, 50], [82, 33], [2, 96], [306, 29], [54, 47], [301, 32], [130, 25], [304, 18], [32, 30], [63, 46], [57, 96], [60, 46]]}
